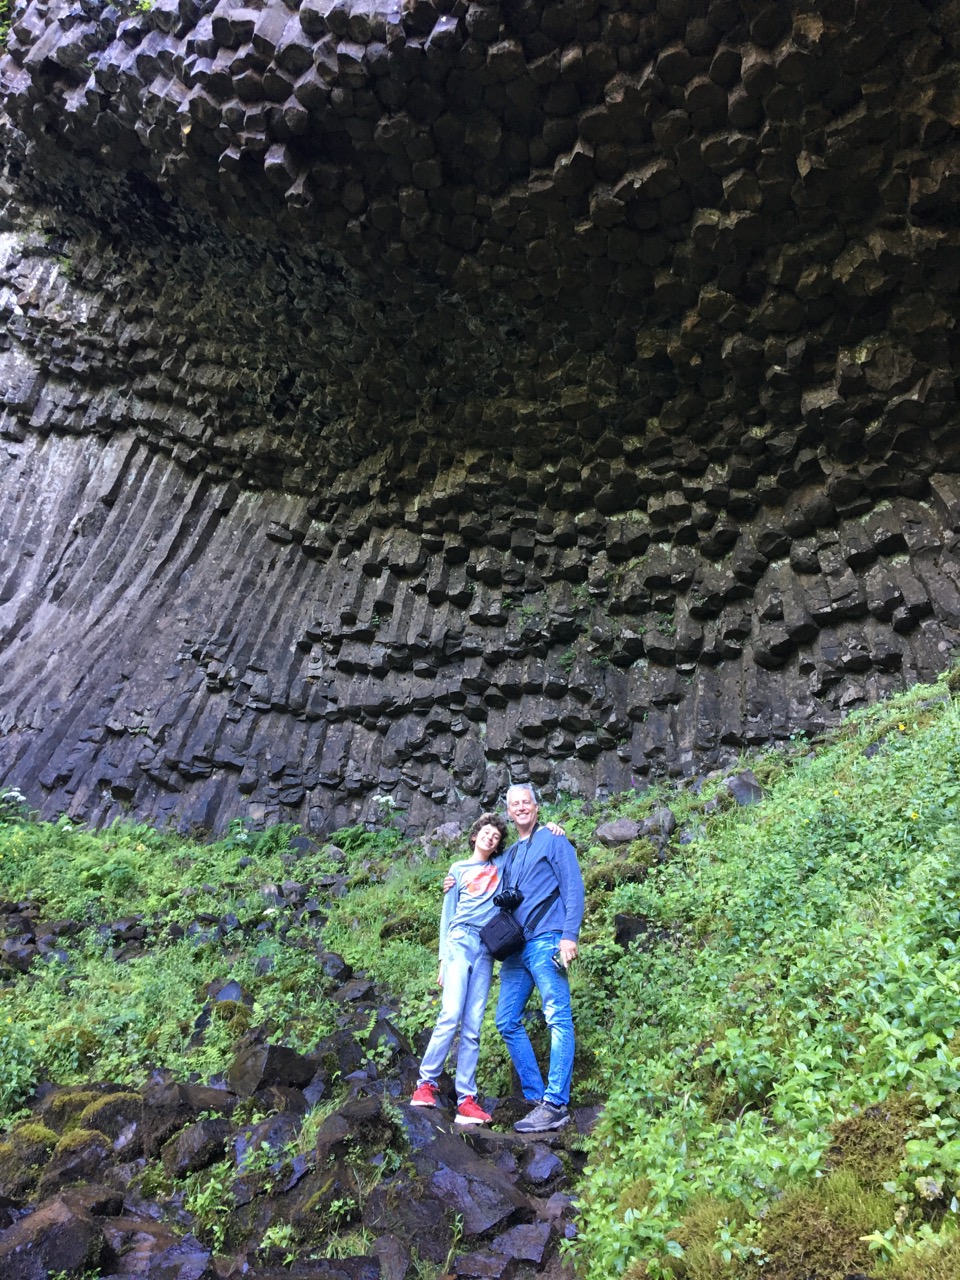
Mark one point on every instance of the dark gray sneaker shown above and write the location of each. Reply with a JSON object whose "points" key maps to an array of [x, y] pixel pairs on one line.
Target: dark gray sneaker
{"points": [[544, 1116]]}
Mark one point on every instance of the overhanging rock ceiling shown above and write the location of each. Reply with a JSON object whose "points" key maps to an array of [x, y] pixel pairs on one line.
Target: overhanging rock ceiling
{"points": [[401, 400]]}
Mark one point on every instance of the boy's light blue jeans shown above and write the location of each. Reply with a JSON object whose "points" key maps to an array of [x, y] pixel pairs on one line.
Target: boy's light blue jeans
{"points": [[519, 974], [467, 972]]}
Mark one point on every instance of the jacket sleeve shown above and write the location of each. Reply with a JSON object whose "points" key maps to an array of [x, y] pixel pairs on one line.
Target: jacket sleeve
{"points": [[569, 878], [450, 900]]}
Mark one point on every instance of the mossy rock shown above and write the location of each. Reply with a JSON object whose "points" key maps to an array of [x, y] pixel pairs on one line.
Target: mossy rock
{"points": [[112, 1113], [628, 865], [817, 1232], [22, 1156], [82, 1043], [234, 1013], [870, 1143], [328, 1202], [62, 1110], [410, 927], [77, 1139], [79, 1157]]}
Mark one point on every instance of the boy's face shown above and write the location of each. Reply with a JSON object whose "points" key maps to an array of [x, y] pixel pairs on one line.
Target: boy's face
{"points": [[487, 841]]}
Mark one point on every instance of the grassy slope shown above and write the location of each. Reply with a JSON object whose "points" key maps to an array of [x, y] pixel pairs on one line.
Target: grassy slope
{"points": [[780, 1059]]}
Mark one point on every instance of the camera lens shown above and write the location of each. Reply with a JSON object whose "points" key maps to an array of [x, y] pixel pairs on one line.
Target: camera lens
{"points": [[508, 899]]}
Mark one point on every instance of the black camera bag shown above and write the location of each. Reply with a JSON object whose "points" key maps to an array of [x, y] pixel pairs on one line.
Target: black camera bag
{"points": [[503, 936]]}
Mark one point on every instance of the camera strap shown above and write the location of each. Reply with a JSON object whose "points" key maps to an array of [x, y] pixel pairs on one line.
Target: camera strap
{"points": [[541, 911], [508, 869], [545, 906]]}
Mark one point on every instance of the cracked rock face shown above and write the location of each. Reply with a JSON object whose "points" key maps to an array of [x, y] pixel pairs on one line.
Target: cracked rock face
{"points": [[401, 399]]}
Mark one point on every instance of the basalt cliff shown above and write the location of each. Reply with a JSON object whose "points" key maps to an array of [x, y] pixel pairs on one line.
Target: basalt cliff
{"points": [[403, 398]]}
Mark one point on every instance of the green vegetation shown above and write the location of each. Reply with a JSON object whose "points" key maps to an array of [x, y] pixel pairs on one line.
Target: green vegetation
{"points": [[79, 1015], [779, 1053], [788, 1051]]}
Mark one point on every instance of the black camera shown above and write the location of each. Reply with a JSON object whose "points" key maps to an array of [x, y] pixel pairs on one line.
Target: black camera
{"points": [[508, 899]]}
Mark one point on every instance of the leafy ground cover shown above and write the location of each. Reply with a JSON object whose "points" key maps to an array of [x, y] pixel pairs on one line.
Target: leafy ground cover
{"points": [[91, 1011], [779, 1052], [783, 1062]]}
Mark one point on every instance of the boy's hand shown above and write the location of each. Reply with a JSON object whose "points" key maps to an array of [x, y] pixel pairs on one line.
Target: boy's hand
{"points": [[440, 975], [556, 828]]}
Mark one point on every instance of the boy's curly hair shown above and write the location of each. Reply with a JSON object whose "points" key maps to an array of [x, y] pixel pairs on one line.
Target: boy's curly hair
{"points": [[488, 820]]}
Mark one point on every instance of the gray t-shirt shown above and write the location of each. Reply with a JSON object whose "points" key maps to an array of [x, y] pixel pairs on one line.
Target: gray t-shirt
{"points": [[470, 901]]}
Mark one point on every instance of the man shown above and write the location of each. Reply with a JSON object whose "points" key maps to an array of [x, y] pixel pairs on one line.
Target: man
{"points": [[544, 867]]}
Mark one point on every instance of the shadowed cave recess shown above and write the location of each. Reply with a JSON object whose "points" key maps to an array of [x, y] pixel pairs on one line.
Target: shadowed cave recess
{"points": [[403, 399]]}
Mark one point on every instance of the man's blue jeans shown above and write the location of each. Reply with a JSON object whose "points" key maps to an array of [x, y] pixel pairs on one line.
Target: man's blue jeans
{"points": [[519, 974], [467, 973]]}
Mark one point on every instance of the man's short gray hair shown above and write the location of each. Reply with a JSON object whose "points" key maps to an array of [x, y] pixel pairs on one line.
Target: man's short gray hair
{"points": [[522, 786]]}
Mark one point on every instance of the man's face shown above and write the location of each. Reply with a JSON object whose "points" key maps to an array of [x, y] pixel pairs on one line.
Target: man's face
{"points": [[522, 809]]}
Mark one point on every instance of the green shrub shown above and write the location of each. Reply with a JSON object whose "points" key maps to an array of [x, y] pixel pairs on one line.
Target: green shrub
{"points": [[796, 1008]]}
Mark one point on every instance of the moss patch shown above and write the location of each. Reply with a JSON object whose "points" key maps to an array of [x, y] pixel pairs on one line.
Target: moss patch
{"points": [[699, 1234], [22, 1156], [618, 866], [814, 1233], [927, 1262], [870, 1143], [633, 1196], [61, 1111]]}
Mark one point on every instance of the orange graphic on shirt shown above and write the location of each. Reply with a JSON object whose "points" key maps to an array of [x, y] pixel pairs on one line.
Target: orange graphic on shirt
{"points": [[481, 880]]}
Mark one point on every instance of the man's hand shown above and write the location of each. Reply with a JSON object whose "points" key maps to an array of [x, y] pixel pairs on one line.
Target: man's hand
{"points": [[568, 951], [448, 883], [440, 975]]}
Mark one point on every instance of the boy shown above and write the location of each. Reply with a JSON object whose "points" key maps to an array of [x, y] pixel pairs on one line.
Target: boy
{"points": [[466, 970]]}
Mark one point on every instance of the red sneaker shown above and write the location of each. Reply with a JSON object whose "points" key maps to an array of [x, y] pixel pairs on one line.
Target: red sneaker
{"points": [[469, 1113], [425, 1095]]}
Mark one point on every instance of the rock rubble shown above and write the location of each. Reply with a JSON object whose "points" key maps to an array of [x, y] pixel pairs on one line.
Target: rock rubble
{"points": [[99, 1177]]}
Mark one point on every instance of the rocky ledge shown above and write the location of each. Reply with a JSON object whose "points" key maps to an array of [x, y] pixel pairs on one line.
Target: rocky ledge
{"points": [[260, 1175]]}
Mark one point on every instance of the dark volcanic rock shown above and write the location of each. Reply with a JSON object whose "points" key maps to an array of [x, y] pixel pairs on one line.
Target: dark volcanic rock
{"points": [[745, 788], [268, 1064], [621, 831], [78, 1157], [598, 389], [151, 1251], [169, 1107], [195, 1147], [59, 1236]]}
